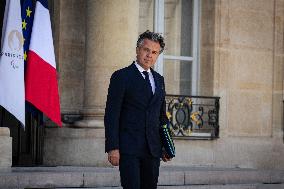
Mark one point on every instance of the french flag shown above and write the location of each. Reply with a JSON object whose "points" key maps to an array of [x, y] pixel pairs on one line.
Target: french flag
{"points": [[41, 86]]}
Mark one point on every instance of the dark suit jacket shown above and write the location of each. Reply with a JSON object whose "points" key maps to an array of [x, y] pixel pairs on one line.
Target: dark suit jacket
{"points": [[132, 120]]}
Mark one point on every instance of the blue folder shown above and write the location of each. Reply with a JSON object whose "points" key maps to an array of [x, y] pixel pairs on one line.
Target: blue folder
{"points": [[167, 141]]}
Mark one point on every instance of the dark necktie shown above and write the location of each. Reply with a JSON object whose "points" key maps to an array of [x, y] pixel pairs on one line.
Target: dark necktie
{"points": [[149, 88]]}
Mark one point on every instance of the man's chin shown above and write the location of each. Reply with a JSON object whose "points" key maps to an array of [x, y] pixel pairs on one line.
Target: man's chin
{"points": [[148, 64]]}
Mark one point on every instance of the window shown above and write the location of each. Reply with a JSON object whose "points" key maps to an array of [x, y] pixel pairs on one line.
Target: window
{"points": [[178, 21]]}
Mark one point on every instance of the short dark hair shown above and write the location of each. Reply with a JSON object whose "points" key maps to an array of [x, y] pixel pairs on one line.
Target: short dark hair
{"points": [[156, 37]]}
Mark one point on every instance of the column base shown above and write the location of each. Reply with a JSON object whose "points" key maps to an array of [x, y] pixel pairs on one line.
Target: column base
{"points": [[75, 147], [5, 148], [89, 123]]}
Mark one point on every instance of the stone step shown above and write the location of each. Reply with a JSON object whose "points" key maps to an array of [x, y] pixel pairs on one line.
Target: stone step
{"points": [[170, 177], [229, 186]]}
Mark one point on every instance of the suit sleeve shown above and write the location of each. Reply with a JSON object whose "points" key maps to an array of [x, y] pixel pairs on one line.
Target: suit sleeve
{"points": [[163, 115], [114, 102]]}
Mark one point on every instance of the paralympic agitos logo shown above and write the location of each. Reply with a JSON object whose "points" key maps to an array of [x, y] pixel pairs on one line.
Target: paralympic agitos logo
{"points": [[15, 43]]}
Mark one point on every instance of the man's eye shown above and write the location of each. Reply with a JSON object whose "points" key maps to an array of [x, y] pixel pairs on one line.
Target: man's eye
{"points": [[147, 50]]}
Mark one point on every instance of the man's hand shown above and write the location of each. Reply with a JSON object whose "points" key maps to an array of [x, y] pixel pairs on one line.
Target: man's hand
{"points": [[113, 157], [165, 157]]}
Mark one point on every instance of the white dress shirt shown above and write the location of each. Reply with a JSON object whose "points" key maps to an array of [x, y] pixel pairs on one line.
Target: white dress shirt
{"points": [[151, 78]]}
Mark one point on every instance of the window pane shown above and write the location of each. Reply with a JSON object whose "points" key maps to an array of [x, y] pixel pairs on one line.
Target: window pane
{"points": [[177, 77], [146, 11], [178, 27]]}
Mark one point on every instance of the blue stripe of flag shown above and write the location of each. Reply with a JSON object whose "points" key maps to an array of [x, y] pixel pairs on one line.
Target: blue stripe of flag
{"points": [[27, 20]]}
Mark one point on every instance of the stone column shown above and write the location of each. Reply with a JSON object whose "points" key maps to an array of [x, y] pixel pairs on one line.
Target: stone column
{"points": [[111, 33], [111, 28], [69, 40], [5, 148]]}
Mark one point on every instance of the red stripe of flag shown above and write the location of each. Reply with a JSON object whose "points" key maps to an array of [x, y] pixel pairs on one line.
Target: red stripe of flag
{"points": [[41, 87]]}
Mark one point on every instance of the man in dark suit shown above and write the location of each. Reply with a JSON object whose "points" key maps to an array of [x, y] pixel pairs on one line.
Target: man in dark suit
{"points": [[135, 110]]}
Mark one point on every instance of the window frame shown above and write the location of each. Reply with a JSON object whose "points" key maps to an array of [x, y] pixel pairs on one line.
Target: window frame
{"points": [[159, 11]]}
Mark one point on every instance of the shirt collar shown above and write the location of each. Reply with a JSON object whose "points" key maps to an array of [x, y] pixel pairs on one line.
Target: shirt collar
{"points": [[140, 68]]}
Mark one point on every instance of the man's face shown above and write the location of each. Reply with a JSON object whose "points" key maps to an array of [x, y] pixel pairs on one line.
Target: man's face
{"points": [[147, 53]]}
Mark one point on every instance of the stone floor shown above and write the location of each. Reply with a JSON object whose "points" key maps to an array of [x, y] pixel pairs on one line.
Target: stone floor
{"points": [[231, 186], [170, 177]]}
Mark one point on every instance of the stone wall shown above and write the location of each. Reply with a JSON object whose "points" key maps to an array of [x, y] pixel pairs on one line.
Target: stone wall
{"points": [[242, 62]]}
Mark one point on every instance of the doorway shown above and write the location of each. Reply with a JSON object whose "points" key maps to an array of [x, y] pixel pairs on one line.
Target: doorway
{"points": [[27, 143]]}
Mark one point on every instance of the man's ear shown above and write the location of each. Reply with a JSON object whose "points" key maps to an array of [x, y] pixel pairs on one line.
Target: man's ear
{"points": [[137, 50]]}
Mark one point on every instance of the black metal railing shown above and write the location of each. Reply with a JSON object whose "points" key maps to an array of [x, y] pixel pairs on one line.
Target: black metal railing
{"points": [[193, 117]]}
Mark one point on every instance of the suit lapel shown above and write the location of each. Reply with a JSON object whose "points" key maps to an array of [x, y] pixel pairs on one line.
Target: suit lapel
{"points": [[141, 81], [137, 75]]}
